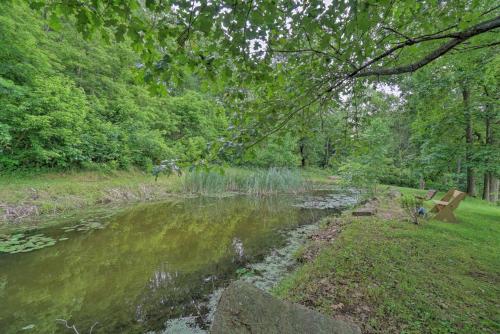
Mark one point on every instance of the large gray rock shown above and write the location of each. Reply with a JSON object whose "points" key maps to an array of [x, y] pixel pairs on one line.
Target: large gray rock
{"points": [[245, 309]]}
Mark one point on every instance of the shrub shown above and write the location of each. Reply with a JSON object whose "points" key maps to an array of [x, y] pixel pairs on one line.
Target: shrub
{"points": [[402, 177], [412, 207]]}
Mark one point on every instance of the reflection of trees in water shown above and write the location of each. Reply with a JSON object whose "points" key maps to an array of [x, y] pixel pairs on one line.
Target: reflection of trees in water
{"points": [[171, 295], [238, 249], [162, 277], [151, 261], [231, 231]]}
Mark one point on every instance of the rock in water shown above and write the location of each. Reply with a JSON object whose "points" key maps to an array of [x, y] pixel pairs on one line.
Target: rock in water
{"points": [[244, 308]]}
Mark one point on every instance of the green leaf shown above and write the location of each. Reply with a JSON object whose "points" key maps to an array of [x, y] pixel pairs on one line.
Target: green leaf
{"points": [[54, 21]]}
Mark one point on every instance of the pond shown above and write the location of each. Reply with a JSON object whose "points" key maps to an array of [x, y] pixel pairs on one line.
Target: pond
{"points": [[140, 269]]}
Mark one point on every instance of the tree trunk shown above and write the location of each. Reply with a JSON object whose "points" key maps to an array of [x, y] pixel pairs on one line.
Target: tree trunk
{"points": [[421, 183], [490, 182], [494, 188], [326, 160], [302, 154], [469, 139], [487, 174], [486, 186]]}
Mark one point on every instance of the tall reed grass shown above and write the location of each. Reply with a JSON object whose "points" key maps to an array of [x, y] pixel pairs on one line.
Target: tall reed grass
{"points": [[253, 182]]}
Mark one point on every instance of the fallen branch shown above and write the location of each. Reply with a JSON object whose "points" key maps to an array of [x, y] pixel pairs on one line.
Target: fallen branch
{"points": [[73, 328], [65, 322]]}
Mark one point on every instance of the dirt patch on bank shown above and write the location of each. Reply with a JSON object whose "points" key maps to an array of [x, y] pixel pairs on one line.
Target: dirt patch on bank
{"points": [[320, 238], [16, 213]]}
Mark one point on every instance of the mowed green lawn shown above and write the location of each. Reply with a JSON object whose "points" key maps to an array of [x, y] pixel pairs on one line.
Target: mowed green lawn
{"points": [[391, 276]]}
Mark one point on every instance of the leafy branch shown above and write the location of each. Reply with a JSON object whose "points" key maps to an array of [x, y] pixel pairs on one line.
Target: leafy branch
{"points": [[456, 39], [364, 70]]}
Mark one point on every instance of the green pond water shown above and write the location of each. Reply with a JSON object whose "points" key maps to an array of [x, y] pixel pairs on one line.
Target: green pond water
{"points": [[137, 269]]}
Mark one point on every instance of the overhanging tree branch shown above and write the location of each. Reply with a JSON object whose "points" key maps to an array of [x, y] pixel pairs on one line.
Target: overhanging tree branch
{"points": [[476, 47], [457, 38], [364, 71]]}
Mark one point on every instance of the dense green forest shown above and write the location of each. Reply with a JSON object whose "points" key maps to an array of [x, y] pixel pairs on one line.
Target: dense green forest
{"points": [[94, 101], [71, 103]]}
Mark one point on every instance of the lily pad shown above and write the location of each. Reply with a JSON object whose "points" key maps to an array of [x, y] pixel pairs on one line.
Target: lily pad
{"points": [[20, 243]]}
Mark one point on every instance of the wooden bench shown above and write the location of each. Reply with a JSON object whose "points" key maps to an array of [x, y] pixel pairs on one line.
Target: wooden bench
{"points": [[430, 195], [445, 206]]}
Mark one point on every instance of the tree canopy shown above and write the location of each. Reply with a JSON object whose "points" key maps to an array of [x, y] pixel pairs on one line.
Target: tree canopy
{"points": [[317, 47], [395, 90]]}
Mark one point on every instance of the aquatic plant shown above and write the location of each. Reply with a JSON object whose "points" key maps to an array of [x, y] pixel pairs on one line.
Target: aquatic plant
{"points": [[254, 182], [245, 272], [21, 243], [84, 226]]}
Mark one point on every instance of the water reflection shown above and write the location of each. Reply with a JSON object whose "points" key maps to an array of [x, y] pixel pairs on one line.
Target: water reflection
{"points": [[238, 250], [151, 263]]}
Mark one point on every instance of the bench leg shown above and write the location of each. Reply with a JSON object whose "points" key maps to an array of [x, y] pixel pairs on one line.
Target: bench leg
{"points": [[436, 208], [445, 214]]}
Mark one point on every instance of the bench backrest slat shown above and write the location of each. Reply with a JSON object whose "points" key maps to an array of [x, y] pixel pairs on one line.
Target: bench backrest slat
{"points": [[448, 195], [458, 196]]}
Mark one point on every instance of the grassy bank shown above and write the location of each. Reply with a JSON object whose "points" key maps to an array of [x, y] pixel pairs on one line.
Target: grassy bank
{"points": [[23, 198], [26, 197], [391, 276]]}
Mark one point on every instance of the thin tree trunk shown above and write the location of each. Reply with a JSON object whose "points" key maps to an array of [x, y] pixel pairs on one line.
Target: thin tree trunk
{"points": [[302, 154], [421, 183], [327, 142], [489, 179], [486, 186], [356, 115], [487, 174], [327, 152], [469, 139]]}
